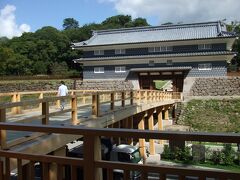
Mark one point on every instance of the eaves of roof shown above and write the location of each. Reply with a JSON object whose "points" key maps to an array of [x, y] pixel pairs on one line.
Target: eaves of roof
{"points": [[189, 54], [161, 69]]}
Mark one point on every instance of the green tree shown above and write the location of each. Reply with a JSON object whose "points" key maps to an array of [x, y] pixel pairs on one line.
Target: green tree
{"points": [[18, 65], [117, 21], [140, 22], [70, 23]]}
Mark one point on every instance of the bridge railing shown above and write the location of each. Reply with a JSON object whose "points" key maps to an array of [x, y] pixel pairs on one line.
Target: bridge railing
{"points": [[84, 96], [92, 164], [97, 103]]}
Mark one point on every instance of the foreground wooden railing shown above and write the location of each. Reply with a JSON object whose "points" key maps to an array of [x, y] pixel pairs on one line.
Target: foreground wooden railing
{"points": [[92, 163]]}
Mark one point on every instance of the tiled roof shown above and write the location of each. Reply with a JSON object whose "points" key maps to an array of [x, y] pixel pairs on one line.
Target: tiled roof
{"points": [[210, 53], [157, 34]]}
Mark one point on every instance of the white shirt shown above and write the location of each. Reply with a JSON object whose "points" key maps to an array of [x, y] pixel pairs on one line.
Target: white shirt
{"points": [[62, 90]]}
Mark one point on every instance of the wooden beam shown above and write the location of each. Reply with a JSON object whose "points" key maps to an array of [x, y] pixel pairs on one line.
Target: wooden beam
{"points": [[45, 171], [131, 97], [160, 120], [3, 134], [142, 146], [166, 112], [151, 127], [14, 99], [92, 152], [174, 113], [95, 105], [74, 110], [1, 170], [18, 98], [123, 98], [40, 97], [130, 126], [112, 101], [7, 168], [45, 112], [19, 169]]}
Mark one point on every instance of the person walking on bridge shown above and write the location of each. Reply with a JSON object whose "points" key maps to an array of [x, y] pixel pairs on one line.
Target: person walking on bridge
{"points": [[62, 91]]}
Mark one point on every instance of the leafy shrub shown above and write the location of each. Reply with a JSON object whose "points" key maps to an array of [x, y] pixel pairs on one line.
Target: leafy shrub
{"points": [[228, 154], [167, 154], [217, 157]]}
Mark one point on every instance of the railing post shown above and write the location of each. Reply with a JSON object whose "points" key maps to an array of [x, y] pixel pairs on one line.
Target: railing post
{"points": [[131, 97], [139, 96], [74, 110], [72, 93], [19, 168], [112, 100], [40, 97], [95, 105], [1, 170], [45, 112], [92, 152], [123, 98], [145, 96], [3, 134], [18, 97], [14, 99]]}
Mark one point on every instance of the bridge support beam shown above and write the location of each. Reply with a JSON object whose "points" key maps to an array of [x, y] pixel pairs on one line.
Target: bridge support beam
{"points": [[130, 126], [160, 120], [141, 125], [166, 112], [174, 113], [151, 127]]}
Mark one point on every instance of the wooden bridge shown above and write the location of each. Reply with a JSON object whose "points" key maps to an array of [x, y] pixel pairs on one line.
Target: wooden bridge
{"points": [[128, 116]]}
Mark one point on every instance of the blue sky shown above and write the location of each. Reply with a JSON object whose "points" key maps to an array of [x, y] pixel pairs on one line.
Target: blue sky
{"points": [[39, 13], [19, 16]]}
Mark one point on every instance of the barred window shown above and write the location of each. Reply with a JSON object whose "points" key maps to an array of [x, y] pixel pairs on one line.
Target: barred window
{"points": [[206, 66], [160, 49], [98, 69], [120, 69], [98, 52], [120, 51], [204, 46]]}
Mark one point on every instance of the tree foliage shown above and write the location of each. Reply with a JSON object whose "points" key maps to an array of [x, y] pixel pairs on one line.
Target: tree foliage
{"points": [[70, 23], [48, 50]]}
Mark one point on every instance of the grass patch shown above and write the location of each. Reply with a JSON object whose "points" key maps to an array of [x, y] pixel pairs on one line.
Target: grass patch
{"points": [[212, 115], [159, 83]]}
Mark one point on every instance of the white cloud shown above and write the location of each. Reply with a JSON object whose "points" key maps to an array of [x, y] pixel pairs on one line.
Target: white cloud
{"points": [[8, 26], [179, 10]]}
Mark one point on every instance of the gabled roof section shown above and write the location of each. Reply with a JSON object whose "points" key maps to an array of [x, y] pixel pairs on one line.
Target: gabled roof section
{"points": [[157, 34]]}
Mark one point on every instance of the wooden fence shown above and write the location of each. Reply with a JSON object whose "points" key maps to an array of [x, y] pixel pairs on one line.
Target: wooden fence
{"points": [[92, 164]]}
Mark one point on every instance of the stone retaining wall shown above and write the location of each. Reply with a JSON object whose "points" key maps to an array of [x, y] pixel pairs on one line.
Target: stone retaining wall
{"points": [[37, 85], [216, 87]]}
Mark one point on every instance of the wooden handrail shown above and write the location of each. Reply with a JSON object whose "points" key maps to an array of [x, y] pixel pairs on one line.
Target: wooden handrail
{"points": [[112, 132], [92, 161]]}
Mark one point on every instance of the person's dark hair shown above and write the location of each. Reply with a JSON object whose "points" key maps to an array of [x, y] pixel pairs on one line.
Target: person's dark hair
{"points": [[62, 82]]}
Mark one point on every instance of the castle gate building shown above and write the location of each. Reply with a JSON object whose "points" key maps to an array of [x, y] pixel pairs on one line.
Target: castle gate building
{"points": [[169, 52]]}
